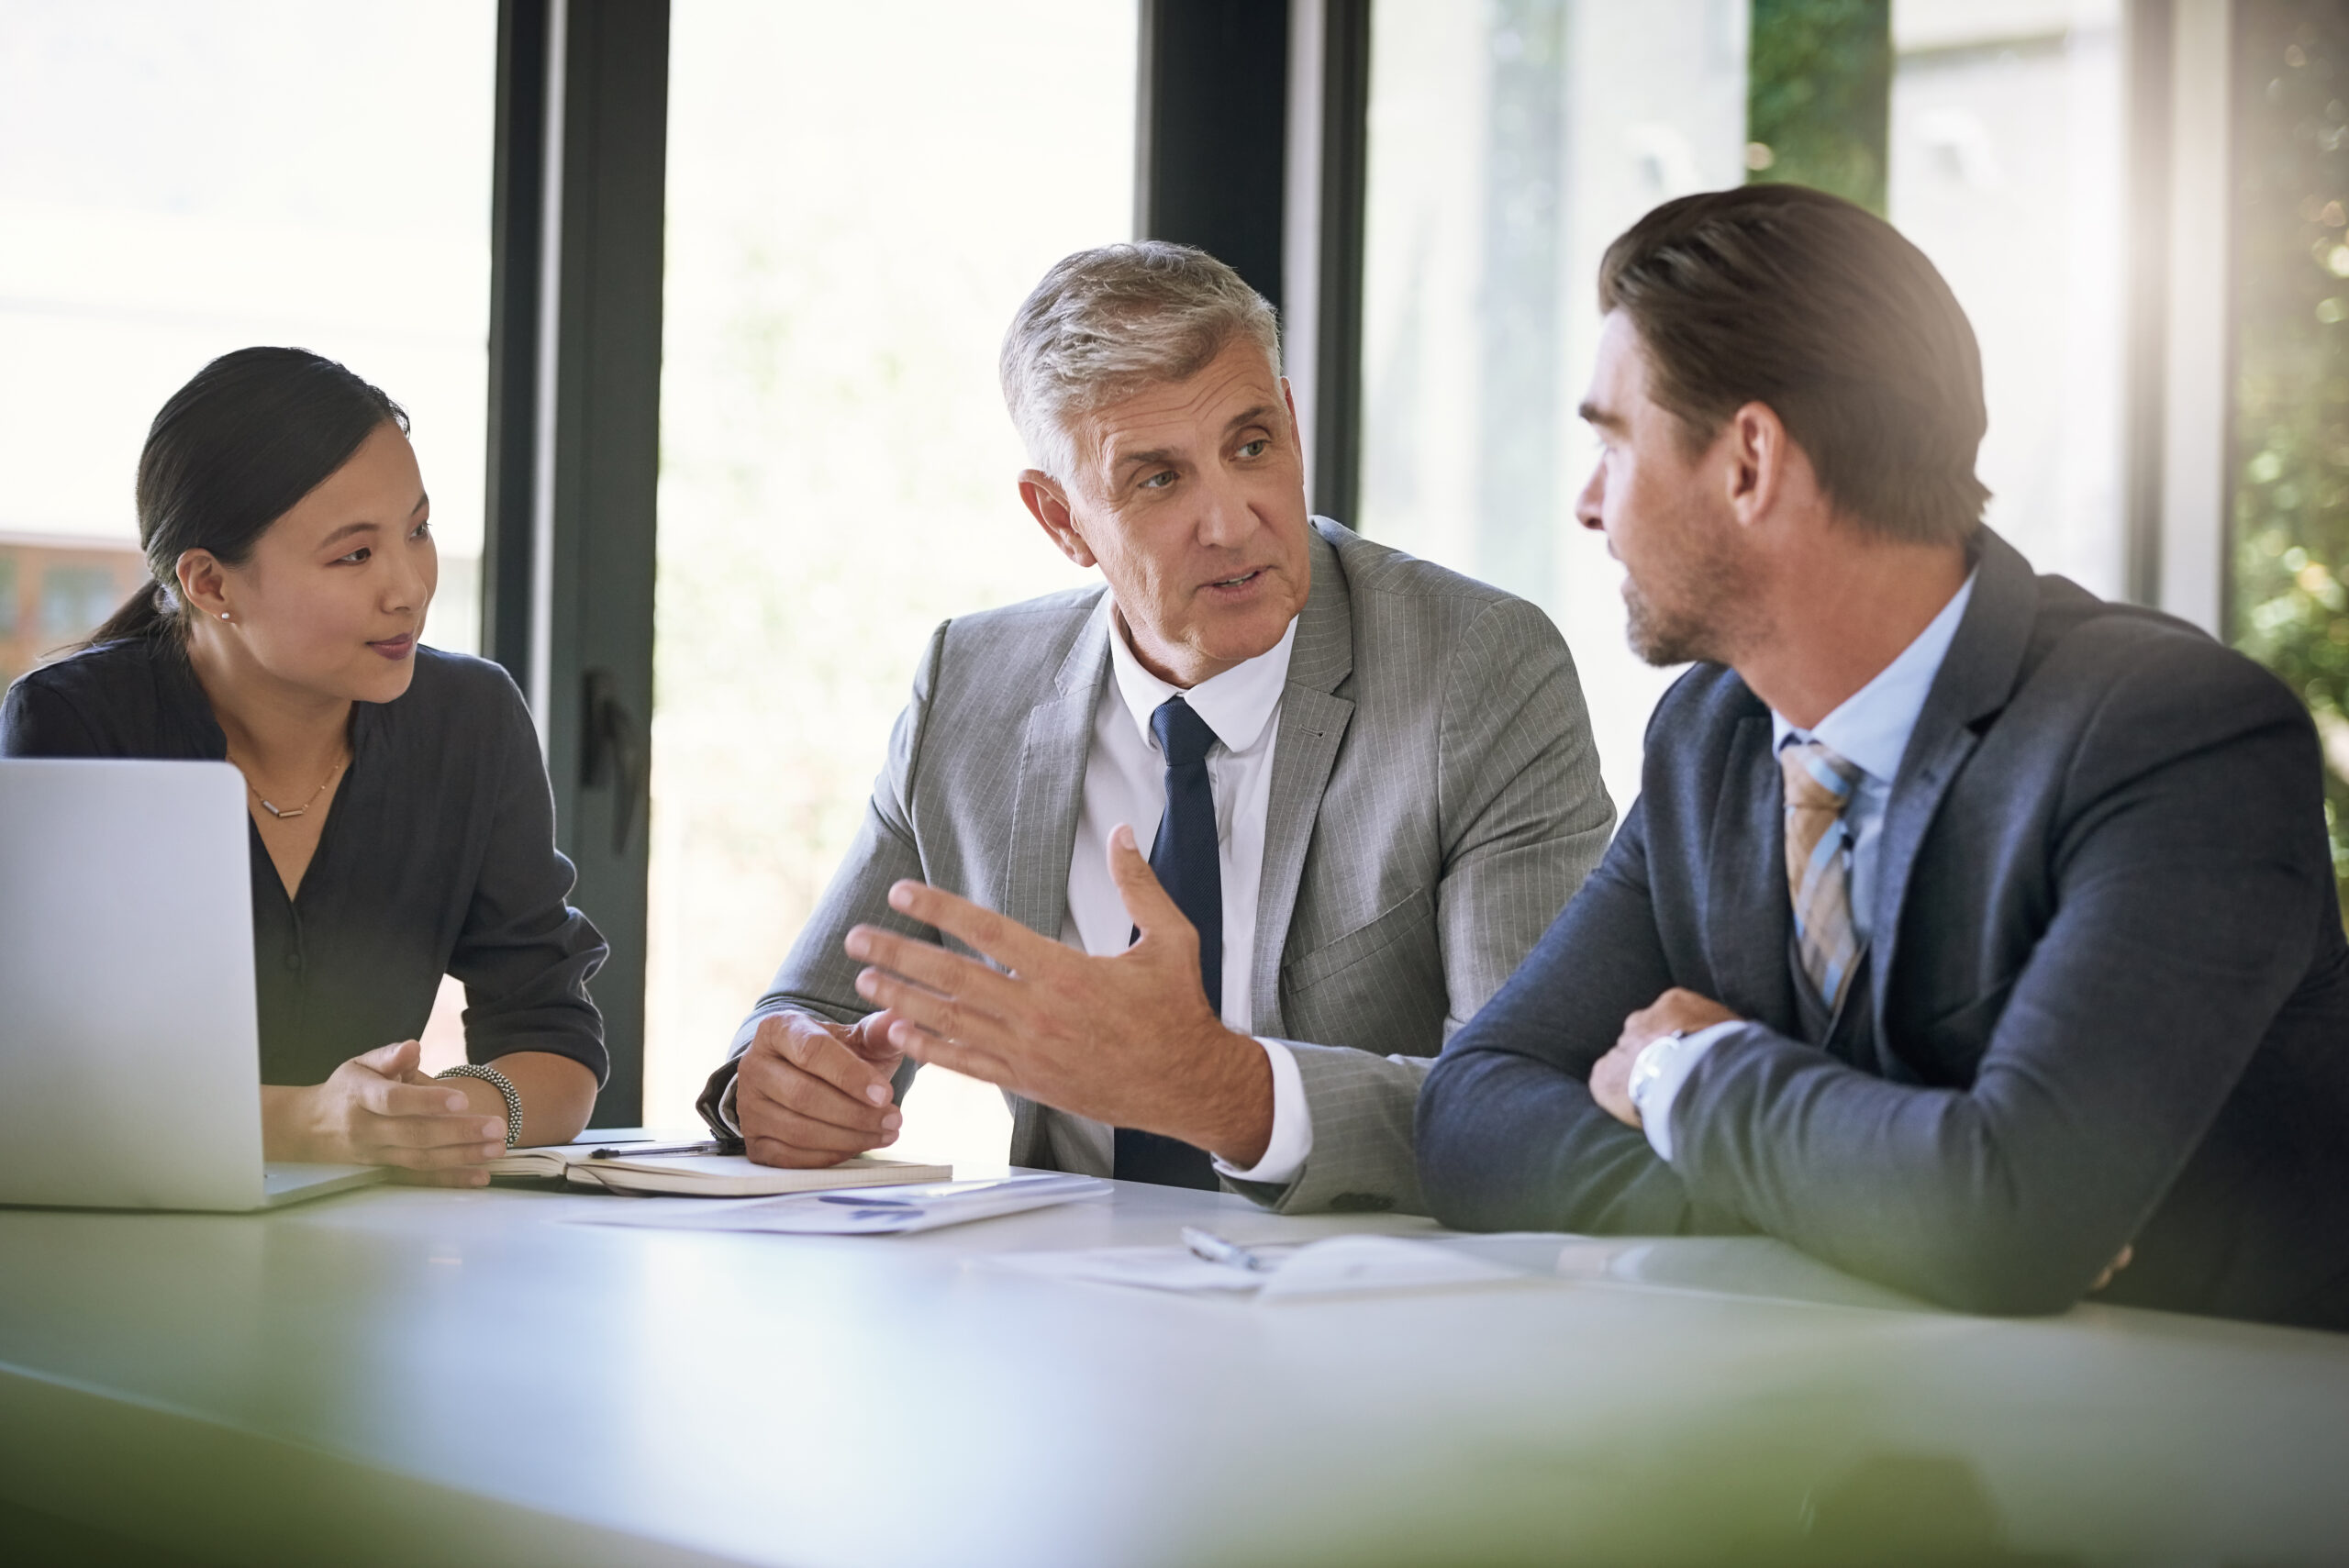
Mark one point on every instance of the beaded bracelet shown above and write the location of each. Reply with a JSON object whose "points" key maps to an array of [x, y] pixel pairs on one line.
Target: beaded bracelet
{"points": [[503, 1084]]}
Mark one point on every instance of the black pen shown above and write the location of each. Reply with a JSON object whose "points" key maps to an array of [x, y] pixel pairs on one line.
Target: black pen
{"points": [[630, 1153]]}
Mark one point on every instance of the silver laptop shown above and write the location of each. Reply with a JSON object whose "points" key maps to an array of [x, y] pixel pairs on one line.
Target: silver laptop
{"points": [[129, 1054]]}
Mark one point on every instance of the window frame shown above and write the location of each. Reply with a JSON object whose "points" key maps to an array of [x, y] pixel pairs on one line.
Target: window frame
{"points": [[574, 426]]}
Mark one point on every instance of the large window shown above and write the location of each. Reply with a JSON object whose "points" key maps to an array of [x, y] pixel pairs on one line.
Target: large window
{"points": [[2291, 318], [859, 196], [177, 180], [2008, 171], [1509, 142]]}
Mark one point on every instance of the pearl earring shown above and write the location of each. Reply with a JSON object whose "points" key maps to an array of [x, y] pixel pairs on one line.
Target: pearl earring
{"points": [[224, 615]]}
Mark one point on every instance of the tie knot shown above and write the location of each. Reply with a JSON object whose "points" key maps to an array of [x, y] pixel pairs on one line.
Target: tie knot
{"points": [[1182, 735], [1817, 779]]}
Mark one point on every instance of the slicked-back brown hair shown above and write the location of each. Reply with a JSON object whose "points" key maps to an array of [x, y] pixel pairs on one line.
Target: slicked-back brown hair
{"points": [[1788, 297]]}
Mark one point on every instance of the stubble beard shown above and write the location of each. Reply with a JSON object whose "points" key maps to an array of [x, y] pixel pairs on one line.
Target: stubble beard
{"points": [[1701, 624], [1658, 638]]}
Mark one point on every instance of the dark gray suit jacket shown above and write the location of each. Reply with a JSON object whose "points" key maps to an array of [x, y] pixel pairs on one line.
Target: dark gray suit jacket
{"points": [[2108, 1002], [1435, 801]]}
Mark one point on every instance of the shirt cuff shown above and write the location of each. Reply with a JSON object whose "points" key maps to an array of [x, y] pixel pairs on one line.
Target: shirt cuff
{"points": [[1292, 1141], [1659, 1070], [726, 1106]]}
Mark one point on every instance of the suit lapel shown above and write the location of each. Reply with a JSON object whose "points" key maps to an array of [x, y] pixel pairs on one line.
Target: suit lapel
{"points": [[1977, 677], [1752, 916], [1050, 786], [1312, 724], [1050, 791]]}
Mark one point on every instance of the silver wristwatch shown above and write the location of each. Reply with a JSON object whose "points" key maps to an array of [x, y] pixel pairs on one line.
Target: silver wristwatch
{"points": [[1648, 1069], [503, 1084]]}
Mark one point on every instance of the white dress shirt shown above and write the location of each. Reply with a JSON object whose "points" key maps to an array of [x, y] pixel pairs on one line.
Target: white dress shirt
{"points": [[1871, 730], [1125, 782]]}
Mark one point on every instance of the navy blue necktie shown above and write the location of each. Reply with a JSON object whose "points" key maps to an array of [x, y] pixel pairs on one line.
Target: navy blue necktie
{"points": [[1189, 866]]}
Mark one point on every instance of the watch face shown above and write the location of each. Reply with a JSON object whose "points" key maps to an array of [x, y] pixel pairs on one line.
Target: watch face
{"points": [[1648, 1066]]}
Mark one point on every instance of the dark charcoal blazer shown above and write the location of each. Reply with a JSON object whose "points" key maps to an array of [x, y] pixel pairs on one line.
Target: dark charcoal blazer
{"points": [[2107, 1004]]}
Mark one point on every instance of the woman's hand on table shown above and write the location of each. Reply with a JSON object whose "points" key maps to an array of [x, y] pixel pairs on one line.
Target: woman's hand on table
{"points": [[380, 1109]]}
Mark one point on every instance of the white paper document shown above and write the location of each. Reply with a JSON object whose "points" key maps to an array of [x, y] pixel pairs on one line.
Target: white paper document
{"points": [[1751, 1267], [1342, 1265], [870, 1211]]}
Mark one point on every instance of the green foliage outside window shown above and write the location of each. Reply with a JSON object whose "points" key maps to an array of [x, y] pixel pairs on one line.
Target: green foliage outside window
{"points": [[1819, 91], [2287, 607]]}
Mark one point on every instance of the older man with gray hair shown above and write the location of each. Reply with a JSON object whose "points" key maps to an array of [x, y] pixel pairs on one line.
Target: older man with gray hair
{"points": [[1364, 786]]}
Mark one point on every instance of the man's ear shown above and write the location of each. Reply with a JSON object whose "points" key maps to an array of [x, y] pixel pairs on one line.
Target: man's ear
{"points": [[1756, 473], [1047, 502], [1295, 433], [203, 583]]}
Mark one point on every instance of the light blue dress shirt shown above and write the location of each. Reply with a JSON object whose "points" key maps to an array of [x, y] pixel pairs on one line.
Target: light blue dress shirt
{"points": [[1871, 730]]}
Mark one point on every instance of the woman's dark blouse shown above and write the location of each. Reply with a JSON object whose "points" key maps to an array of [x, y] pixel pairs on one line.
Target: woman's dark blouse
{"points": [[437, 857]]}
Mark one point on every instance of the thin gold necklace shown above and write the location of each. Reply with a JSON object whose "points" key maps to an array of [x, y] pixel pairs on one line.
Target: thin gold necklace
{"points": [[288, 813]]}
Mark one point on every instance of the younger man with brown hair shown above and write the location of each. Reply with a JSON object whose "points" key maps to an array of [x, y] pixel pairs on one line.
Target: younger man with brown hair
{"points": [[1970, 933]]}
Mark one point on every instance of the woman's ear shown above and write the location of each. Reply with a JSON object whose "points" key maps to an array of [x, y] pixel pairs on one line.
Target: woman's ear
{"points": [[204, 584]]}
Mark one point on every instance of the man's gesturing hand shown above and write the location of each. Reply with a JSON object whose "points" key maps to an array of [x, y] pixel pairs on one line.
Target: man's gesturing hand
{"points": [[812, 1093], [1128, 1040]]}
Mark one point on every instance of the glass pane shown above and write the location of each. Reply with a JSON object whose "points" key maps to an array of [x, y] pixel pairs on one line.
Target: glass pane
{"points": [[859, 196], [2287, 609], [179, 181], [2008, 171], [1509, 142], [1818, 75]]}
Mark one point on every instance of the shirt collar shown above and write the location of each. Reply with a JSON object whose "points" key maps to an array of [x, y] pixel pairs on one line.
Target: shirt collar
{"points": [[1237, 704], [1871, 727]]}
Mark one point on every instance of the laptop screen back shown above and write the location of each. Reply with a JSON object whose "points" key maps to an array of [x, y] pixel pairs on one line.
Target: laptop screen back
{"points": [[130, 1057]]}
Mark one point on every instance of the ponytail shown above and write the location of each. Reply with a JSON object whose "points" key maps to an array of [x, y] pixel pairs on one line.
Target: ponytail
{"points": [[150, 610]]}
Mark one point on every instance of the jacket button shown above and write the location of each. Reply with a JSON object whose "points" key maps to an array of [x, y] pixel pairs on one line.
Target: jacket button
{"points": [[293, 960]]}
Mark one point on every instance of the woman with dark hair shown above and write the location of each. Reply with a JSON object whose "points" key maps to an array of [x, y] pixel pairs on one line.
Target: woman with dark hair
{"points": [[401, 823]]}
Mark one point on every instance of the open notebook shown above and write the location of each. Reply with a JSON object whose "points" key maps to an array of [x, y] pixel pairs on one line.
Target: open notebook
{"points": [[699, 1169]]}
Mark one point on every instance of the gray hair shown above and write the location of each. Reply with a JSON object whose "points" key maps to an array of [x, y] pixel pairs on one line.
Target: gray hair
{"points": [[1107, 322]]}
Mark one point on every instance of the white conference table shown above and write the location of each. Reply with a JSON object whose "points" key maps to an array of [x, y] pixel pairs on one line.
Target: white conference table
{"points": [[402, 1376]]}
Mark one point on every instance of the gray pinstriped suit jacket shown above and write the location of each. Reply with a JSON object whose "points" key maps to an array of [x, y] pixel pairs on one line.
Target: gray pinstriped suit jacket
{"points": [[1435, 801]]}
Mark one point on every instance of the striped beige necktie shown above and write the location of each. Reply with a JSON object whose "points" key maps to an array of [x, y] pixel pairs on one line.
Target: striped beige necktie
{"points": [[1819, 785]]}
